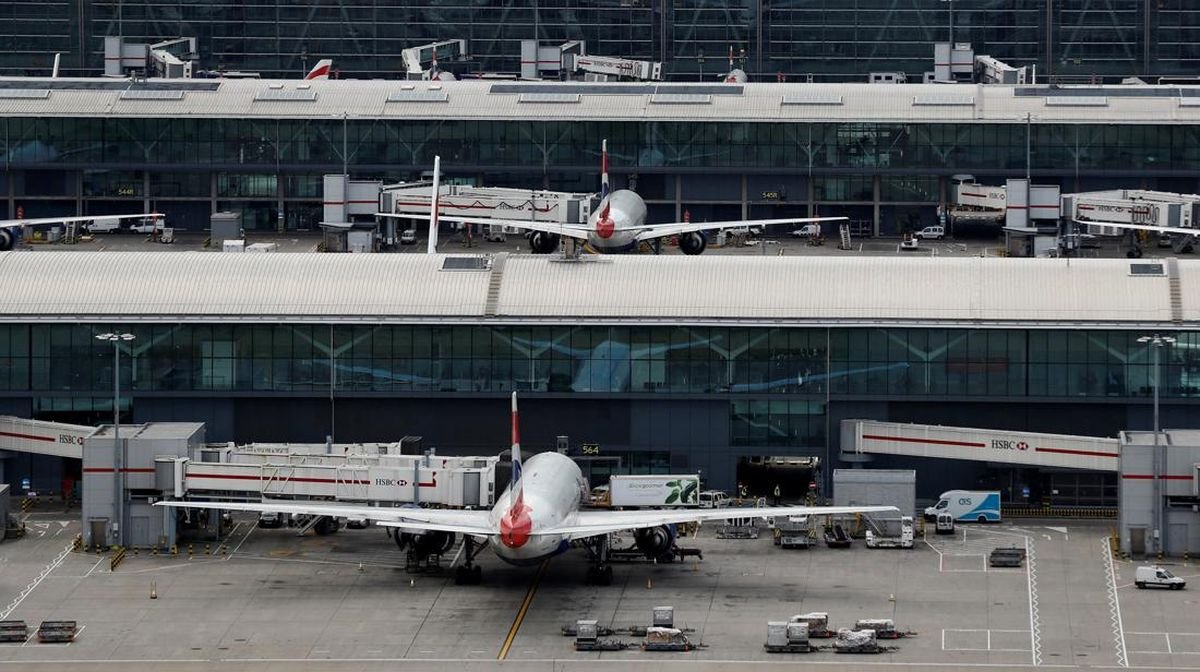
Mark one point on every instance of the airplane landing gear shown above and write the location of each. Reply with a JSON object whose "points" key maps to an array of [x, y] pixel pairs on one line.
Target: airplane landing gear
{"points": [[599, 573], [468, 573]]}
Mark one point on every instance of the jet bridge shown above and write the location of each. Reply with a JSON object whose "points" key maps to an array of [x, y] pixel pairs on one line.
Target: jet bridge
{"points": [[1029, 449], [22, 435]]}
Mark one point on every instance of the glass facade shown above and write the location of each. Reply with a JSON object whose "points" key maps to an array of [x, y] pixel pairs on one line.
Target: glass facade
{"points": [[800, 366], [188, 168], [239, 148], [825, 39]]}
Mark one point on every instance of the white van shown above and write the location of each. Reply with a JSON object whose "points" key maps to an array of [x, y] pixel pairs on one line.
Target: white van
{"points": [[973, 505], [1157, 576], [408, 237], [104, 225], [713, 499], [931, 233]]}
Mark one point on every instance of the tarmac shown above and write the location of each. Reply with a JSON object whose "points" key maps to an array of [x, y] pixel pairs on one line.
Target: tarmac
{"points": [[772, 244], [270, 600]]}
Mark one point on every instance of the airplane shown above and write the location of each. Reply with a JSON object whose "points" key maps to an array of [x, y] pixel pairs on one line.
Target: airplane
{"points": [[617, 224], [7, 237], [536, 517], [320, 70]]}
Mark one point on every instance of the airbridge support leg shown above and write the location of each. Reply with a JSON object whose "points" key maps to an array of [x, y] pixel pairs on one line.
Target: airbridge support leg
{"points": [[599, 572], [468, 573]]}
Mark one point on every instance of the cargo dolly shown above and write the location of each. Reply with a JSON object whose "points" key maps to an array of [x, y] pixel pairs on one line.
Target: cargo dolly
{"points": [[13, 631], [1006, 557], [57, 632]]}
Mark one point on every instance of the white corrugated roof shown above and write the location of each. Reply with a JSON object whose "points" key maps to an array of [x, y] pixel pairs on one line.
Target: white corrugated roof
{"points": [[236, 98], [202, 286]]}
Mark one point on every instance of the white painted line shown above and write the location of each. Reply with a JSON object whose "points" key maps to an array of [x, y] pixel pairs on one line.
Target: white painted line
{"points": [[1168, 638], [1114, 607], [36, 582], [93, 567], [1035, 635], [239, 546]]}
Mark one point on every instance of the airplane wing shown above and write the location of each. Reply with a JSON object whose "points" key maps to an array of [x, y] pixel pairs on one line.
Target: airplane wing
{"points": [[591, 523], [1142, 227], [437, 520], [569, 230], [7, 223], [652, 231]]}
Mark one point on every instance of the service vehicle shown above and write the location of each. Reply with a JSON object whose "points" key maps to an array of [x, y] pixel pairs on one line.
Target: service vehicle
{"points": [[654, 490], [909, 242], [981, 506], [931, 233], [270, 519], [104, 225], [714, 499], [408, 237], [945, 523], [807, 231], [147, 226], [1151, 575]]}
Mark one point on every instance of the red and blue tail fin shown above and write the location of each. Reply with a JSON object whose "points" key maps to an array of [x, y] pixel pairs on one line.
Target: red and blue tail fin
{"points": [[605, 186], [515, 480]]}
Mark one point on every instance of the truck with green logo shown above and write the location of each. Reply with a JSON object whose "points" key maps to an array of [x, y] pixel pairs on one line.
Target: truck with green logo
{"points": [[672, 490]]}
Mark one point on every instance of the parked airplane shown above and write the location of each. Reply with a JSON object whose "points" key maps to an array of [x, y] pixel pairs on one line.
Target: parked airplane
{"points": [[618, 223], [320, 70], [7, 237], [535, 518]]}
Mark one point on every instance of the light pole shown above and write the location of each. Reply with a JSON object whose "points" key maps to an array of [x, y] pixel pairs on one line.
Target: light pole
{"points": [[1157, 342], [116, 338]]}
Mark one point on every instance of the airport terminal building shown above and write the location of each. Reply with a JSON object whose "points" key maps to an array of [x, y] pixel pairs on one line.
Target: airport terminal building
{"points": [[883, 155], [828, 41], [661, 364]]}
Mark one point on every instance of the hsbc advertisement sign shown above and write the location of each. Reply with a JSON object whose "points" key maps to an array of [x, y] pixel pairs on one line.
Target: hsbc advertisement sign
{"points": [[1009, 444]]}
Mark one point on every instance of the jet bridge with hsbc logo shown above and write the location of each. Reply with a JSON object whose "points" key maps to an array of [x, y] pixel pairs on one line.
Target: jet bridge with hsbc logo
{"points": [[1075, 474]]}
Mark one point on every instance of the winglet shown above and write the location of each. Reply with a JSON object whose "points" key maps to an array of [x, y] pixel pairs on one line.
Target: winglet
{"points": [[605, 188], [320, 70], [515, 481]]}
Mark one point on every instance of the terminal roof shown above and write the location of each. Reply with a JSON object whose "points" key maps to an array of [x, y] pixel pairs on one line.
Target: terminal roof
{"points": [[492, 100], [633, 289]]}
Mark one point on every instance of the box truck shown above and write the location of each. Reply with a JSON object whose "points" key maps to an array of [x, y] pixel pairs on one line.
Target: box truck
{"points": [[661, 490], [974, 505]]}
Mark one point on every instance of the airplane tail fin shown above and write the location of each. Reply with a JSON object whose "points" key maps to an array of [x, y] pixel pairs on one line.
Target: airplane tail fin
{"points": [[605, 188], [515, 480], [320, 70]]}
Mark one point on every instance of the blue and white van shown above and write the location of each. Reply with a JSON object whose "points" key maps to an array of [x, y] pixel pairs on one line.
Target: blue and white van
{"points": [[981, 506]]}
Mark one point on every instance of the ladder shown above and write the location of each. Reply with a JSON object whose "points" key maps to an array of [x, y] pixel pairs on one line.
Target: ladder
{"points": [[844, 231]]}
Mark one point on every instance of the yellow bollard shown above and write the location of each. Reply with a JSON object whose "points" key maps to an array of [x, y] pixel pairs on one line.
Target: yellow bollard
{"points": [[206, 549]]}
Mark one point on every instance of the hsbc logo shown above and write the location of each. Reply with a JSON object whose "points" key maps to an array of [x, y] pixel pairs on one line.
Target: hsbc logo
{"points": [[1007, 444], [391, 482]]}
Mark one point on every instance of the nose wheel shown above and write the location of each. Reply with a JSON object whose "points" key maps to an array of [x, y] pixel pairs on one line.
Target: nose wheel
{"points": [[599, 573], [468, 573]]}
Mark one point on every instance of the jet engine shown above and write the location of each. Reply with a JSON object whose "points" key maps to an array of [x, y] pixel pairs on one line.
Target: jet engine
{"points": [[6, 240], [543, 243], [425, 544], [656, 542], [692, 243]]}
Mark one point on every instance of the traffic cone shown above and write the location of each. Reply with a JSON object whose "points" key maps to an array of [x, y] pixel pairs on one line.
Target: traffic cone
{"points": [[153, 590]]}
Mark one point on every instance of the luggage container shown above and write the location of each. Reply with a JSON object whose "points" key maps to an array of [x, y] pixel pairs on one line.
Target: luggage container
{"points": [[884, 628], [786, 637], [51, 632], [817, 623], [857, 641], [666, 639]]}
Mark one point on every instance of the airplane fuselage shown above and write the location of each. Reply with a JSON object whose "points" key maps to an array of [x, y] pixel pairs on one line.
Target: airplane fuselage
{"points": [[615, 232], [552, 488]]}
